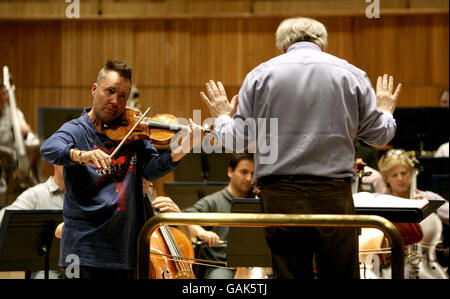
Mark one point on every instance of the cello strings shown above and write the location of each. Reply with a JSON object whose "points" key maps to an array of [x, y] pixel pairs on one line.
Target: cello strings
{"points": [[379, 250], [170, 245], [190, 259], [175, 251], [206, 263], [169, 240]]}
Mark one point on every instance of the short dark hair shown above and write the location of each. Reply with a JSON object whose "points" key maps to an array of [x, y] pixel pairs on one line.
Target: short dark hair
{"points": [[118, 66], [238, 157]]}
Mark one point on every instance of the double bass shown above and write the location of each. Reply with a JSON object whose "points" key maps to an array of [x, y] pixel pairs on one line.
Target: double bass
{"points": [[23, 176]]}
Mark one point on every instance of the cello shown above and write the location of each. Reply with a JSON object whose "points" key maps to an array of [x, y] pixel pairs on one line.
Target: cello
{"points": [[423, 264], [170, 251]]}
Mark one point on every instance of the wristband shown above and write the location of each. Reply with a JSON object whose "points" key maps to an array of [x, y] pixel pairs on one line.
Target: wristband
{"points": [[79, 155], [72, 150]]}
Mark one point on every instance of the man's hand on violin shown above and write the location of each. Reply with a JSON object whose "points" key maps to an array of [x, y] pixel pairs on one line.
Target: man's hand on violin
{"points": [[193, 138], [97, 158], [217, 102]]}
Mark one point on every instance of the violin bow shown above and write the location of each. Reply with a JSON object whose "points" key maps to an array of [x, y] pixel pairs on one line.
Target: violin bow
{"points": [[131, 131]]}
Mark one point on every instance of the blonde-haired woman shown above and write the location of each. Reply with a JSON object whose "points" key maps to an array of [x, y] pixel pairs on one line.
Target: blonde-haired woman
{"points": [[398, 171]]}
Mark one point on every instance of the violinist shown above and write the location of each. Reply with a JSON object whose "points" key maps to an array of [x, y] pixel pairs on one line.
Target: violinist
{"points": [[103, 212]]}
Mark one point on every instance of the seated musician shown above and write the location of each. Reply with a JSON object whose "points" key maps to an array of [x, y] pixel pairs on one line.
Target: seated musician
{"points": [[240, 171], [397, 169], [8, 154], [44, 196]]}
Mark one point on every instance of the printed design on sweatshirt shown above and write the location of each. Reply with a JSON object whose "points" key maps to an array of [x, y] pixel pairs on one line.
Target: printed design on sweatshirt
{"points": [[122, 163]]}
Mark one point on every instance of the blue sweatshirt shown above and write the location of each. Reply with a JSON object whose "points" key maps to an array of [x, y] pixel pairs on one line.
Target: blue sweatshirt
{"points": [[103, 213]]}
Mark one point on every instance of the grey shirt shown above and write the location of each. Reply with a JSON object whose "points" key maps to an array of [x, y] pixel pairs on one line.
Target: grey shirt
{"points": [[44, 196], [307, 107], [219, 202]]}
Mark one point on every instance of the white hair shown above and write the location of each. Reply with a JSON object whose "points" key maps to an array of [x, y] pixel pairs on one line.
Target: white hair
{"points": [[295, 30]]}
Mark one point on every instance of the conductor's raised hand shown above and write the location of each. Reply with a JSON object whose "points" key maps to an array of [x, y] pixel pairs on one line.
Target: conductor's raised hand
{"points": [[386, 100], [217, 101]]}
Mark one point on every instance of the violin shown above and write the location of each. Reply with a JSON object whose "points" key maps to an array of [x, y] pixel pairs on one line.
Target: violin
{"points": [[358, 167], [170, 252], [159, 129]]}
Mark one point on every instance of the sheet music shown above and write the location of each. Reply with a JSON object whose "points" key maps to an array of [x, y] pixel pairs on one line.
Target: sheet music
{"points": [[374, 200]]}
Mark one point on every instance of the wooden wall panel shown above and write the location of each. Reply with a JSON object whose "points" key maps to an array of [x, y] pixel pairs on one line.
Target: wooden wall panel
{"points": [[163, 9], [413, 49], [32, 53], [29, 99], [55, 62], [216, 51], [87, 45], [162, 53], [438, 36]]}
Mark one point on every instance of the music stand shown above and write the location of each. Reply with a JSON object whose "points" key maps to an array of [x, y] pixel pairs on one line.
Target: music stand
{"points": [[398, 213], [247, 246], [26, 240]]}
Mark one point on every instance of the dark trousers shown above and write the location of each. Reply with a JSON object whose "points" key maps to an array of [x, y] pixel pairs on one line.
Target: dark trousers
{"points": [[293, 248]]}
